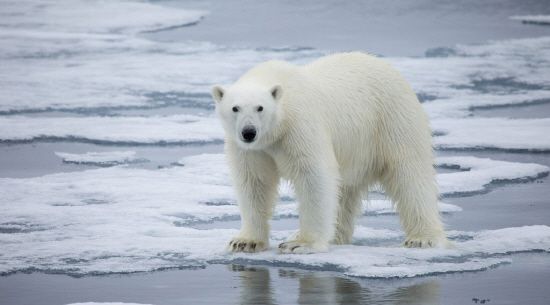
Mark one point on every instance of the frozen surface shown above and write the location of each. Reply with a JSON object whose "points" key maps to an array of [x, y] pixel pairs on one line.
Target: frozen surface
{"points": [[493, 133], [479, 172], [123, 219], [452, 133], [535, 19], [129, 71], [101, 158], [176, 129], [58, 59], [59, 62], [60, 55], [78, 16]]}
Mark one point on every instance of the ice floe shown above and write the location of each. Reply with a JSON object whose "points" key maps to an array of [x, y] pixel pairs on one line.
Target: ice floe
{"points": [[451, 133], [123, 219], [176, 129], [479, 172], [57, 55], [80, 16], [60, 55], [108, 158], [492, 133]]}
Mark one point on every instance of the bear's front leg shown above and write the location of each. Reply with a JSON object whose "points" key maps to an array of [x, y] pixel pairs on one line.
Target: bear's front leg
{"points": [[316, 189], [256, 180]]}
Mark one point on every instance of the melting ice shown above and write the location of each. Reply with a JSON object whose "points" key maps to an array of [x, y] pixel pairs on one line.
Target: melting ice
{"points": [[57, 55], [123, 219]]}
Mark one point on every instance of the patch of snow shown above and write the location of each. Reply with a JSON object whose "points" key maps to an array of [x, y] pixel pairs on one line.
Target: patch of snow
{"points": [[176, 129], [60, 55], [480, 172], [107, 158], [94, 16], [122, 219], [492, 133]]}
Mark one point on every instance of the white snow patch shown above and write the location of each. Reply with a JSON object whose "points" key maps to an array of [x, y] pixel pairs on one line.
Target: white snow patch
{"points": [[122, 219], [94, 16], [61, 55], [183, 129], [479, 172], [495, 133], [106, 158]]}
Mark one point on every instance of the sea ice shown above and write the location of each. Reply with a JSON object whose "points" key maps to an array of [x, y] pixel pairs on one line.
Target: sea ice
{"points": [[492, 133], [176, 129], [123, 219], [451, 133], [60, 55], [107, 158], [57, 55], [81, 16]]}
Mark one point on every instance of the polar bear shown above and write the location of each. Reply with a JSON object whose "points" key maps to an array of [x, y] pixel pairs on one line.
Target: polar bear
{"points": [[333, 128]]}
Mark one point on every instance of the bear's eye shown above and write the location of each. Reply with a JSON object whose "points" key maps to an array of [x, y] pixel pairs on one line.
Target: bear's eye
{"points": [[260, 108], [235, 109]]}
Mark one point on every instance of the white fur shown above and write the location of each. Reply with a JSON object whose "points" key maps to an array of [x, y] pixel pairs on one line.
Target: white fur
{"points": [[333, 128]]}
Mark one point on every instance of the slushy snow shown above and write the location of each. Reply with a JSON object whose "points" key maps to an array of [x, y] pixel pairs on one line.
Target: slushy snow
{"points": [[101, 158], [175, 129], [492, 133], [58, 56], [123, 219]]}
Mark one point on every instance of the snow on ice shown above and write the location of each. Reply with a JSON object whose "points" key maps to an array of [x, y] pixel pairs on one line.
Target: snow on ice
{"points": [[56, 55], [492, 133], [124, 219], [109, 158], [176, 129]]}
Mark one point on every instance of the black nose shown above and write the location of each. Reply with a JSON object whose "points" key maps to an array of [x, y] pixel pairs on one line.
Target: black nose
{"points": [[249, 133]]}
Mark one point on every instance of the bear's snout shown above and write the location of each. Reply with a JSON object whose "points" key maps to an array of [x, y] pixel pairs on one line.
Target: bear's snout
{"points": [[249, 133]]}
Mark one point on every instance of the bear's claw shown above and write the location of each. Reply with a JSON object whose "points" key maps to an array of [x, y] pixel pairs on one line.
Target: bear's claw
{"points": [[421, 243], [246, 245], [295, 247]]}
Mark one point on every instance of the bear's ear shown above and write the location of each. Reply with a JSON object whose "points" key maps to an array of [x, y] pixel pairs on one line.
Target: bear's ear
{"points": [[276, 92], [217, 93]]}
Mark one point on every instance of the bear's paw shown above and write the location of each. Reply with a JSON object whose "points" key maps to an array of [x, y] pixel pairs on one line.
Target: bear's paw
{"points": [[426, 242], [299, 247], [238, 244]]}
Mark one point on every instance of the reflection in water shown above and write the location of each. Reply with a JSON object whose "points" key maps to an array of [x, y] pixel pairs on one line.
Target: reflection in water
{"points": [[256, 287], [424, 293]]}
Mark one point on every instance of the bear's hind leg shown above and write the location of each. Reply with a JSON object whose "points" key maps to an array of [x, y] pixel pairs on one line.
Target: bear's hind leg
{"points": [[415, 194], [348, 209]]}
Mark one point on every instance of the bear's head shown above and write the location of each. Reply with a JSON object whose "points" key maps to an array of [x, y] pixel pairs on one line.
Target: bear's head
{"points": [[249, 113]]}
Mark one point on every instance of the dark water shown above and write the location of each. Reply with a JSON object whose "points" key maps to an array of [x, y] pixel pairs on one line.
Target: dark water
{"points": [[390, 28], [525, 281], [39, 158]]}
